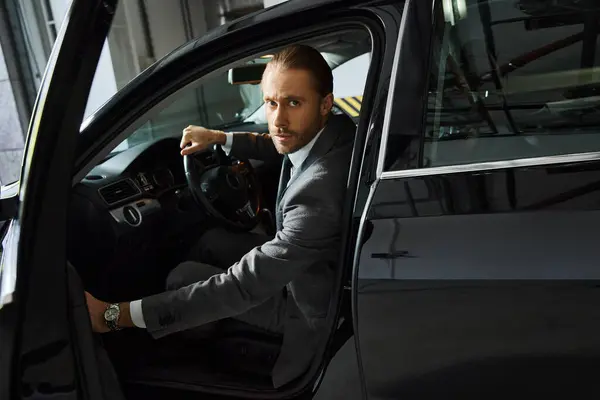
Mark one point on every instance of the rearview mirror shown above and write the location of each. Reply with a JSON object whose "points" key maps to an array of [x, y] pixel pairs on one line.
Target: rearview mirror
{"points": [[246, 74]]}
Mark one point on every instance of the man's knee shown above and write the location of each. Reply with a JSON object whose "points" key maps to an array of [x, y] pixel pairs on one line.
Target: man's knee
{"points": [[223, 248], [189, 272]]}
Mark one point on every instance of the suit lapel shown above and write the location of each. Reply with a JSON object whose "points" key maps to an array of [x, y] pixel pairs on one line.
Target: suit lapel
{"points": [[323, 145], [337, 125]]}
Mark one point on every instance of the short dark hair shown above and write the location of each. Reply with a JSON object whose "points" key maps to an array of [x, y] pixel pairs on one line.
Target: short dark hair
{"points": [[304, 57]]}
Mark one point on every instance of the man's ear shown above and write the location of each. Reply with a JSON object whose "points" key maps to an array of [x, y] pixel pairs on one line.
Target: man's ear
{"points": [[327, 104]]}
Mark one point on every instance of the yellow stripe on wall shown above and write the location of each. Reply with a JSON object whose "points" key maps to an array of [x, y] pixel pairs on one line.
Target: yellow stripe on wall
{"points": [[353, 103], [346, 107]]}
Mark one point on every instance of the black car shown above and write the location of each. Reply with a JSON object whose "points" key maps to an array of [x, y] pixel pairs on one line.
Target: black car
{"points": [[470, 265]]}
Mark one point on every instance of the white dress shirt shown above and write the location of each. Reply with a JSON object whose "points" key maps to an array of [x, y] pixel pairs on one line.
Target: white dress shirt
{"points": [[296, 158]]}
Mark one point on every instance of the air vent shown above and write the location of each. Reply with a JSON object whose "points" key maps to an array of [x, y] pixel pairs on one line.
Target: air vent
{"points": [[118, 191]]}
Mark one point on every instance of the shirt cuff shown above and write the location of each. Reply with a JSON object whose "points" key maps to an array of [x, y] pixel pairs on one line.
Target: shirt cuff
{"points": [[137, 316], [228, 142]]}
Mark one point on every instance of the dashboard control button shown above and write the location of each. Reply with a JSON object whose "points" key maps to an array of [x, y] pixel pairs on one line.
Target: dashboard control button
{"points": [[132, 215]]}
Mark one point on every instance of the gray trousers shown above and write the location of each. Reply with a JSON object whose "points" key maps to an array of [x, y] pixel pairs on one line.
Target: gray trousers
{"points": [[216, 251]]}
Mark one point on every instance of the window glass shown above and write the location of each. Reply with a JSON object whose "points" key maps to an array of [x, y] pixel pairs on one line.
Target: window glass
{"points": [[511, 80], [216, 103]]}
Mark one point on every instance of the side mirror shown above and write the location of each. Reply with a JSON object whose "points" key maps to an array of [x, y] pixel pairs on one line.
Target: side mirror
{"points": [[246, 74], [9, 201]]}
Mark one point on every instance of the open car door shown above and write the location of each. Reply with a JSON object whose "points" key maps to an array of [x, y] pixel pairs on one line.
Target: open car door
{"points": [[42, 354]]}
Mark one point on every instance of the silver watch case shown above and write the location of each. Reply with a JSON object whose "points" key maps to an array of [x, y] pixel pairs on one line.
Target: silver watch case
{"points": [[111, 316]]}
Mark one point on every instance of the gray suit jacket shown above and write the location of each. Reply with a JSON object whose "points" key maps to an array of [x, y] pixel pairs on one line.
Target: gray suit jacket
{"points": [[302, 257]]}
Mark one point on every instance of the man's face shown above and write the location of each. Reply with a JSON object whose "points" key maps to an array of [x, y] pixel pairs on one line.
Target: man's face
{"points": [[295, 110]]}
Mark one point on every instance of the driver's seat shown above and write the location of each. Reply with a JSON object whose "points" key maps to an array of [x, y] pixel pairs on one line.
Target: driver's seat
{"points": [[245, 348]]}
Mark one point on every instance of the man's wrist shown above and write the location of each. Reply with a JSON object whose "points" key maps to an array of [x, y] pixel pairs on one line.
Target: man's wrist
{"points": [[125, 317], [219, 137]]}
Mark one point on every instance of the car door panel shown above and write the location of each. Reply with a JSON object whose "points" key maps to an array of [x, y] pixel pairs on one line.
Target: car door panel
{"points": [[40, 361], [481, 277], [475, 275], [91, 360]]}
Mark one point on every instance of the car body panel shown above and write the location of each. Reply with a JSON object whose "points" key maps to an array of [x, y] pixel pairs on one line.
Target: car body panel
{"points": [[481, 277], [477, 279]]}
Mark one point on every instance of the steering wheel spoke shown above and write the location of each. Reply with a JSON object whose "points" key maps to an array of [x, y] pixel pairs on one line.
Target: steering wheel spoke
{"points": [[228, 192], [242, 167]]}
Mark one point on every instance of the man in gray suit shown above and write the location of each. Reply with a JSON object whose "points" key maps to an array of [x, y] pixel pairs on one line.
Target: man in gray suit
{"points": [[283, 285]]}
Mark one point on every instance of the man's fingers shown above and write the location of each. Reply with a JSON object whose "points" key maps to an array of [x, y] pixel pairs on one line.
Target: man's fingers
{"points": [[185, 139], [192, 140], [191, 149]]}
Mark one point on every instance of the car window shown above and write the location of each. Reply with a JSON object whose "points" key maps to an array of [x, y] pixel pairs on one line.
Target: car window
{"points": [[216, 103], [509, 82], [143, 32]]}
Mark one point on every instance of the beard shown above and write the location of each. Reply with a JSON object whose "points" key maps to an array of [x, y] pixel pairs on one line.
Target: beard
{"points": [[288, 141]]}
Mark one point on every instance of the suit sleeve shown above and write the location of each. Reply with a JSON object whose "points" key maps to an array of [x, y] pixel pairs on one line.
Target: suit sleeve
{"points": [[258, 146], [309, 235]]}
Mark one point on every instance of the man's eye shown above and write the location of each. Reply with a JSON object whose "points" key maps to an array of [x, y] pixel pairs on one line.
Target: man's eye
{"points": [[294, 103], [271, 103]]}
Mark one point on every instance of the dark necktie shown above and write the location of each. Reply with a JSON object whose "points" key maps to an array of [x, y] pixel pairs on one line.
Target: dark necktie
{"points": [[286, 173], [286, 170]]}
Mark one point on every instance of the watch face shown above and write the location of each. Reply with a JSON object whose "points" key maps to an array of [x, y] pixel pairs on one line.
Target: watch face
{"points": [[111, 314]]}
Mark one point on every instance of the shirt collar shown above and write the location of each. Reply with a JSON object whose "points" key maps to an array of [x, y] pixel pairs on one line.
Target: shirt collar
{"points": [[299, 156]]}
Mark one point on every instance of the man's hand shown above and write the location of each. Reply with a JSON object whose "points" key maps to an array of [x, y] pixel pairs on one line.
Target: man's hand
{"points": [[96, 310], [196, 138]]}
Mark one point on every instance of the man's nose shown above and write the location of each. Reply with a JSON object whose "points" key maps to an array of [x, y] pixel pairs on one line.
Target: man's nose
{"points": [[280, 118]]}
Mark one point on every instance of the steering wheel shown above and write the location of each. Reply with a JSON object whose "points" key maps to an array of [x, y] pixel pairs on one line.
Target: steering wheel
{"points": [[227, 191]]}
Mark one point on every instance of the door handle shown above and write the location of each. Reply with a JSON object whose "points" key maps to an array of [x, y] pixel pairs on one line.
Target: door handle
{"points": [[392, 255]]}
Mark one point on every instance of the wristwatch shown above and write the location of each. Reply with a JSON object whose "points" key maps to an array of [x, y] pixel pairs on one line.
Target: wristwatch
{"points": [[111, 316]]}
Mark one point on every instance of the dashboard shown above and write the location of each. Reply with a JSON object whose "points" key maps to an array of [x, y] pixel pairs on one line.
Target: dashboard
{"points": [[137, 182], [132, 216]]}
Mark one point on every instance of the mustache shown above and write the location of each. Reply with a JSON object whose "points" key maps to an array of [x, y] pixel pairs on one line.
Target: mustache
{"points": [[282, 132]]}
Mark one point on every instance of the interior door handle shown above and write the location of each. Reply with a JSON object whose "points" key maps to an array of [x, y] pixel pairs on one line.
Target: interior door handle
{"points": [[392, 255]]}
